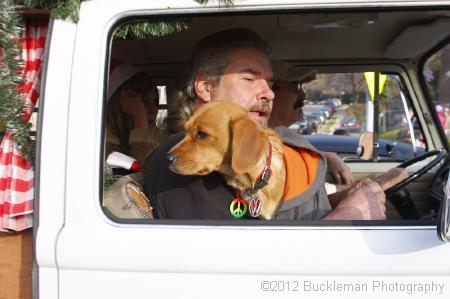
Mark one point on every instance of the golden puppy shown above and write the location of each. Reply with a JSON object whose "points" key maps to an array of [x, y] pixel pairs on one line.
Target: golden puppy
{"points": [[221, 136]]}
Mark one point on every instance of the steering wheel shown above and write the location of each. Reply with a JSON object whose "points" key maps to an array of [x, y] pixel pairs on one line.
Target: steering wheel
{"points": [[440, 154]]}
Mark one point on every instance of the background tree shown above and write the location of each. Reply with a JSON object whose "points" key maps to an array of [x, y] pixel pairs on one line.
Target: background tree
{"points": [[350, 87]]}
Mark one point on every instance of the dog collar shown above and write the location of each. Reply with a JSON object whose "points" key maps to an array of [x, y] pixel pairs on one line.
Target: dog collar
{"points": [[249, 199], [263, 178]]}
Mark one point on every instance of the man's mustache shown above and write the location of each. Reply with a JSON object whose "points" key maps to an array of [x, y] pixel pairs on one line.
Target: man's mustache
{"points": [[261, 107]]}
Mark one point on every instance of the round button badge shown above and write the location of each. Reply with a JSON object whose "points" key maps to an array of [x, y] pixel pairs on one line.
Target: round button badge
{"points": [[238, 207]]}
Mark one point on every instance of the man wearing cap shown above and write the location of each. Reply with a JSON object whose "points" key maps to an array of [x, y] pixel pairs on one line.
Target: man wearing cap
{"points": [[288, 103], [287, 108], [235, 65]]}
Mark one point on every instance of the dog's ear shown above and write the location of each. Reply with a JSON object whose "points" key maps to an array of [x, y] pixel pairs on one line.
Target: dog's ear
{"points": [[247, 146]]}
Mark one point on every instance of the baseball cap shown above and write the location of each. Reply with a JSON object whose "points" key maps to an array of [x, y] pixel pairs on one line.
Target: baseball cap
{"points": [[284, 71]]}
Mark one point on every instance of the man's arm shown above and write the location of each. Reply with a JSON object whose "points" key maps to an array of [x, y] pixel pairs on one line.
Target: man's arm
{"points": [[364, 201], [392, 177]]}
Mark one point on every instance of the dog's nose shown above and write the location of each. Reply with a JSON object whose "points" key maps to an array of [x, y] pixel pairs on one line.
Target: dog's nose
{"points": [[171, 157]]}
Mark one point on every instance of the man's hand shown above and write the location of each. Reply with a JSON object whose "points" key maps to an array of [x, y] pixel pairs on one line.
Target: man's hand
{"points": [[132, 104], [339, 169], [364, 201]]}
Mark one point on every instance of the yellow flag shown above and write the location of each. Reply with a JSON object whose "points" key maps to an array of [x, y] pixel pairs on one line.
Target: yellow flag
{"points": [[370, 79]]}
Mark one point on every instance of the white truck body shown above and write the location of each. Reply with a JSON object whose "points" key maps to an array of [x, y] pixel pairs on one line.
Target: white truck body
{"points": [[81, 253]]}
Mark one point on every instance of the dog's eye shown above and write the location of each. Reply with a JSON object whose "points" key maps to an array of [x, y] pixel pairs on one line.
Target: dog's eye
{"points": [[201, 135]]}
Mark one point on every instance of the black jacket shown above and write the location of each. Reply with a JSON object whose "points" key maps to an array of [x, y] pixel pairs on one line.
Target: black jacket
{"points": [[175, 196]]}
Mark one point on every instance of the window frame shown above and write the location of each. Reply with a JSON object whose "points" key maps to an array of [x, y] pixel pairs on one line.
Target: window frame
{"points": [[360, 224]]}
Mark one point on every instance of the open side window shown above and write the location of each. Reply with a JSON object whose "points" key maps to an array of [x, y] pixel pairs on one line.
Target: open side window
{"points": [[162, 71]]}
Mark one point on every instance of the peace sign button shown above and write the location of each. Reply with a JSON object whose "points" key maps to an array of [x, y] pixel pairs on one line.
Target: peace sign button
{"points": [[238, 207]]}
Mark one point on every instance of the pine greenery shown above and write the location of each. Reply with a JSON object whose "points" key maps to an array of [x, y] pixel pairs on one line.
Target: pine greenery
{"points": [[12, 103], [58, 9], [62, 9], [143, 30]]}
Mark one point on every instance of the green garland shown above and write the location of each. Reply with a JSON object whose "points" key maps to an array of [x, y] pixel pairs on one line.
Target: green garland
{"points": [[11, 104], [62, 9], [59, 9], [141, 30]]}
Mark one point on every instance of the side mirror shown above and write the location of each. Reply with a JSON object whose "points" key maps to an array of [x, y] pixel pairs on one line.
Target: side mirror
{"points": [[443, 223]]}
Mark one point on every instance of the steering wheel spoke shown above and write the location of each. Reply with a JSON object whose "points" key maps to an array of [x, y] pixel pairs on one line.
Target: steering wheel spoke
{"points": [[440, 154]]}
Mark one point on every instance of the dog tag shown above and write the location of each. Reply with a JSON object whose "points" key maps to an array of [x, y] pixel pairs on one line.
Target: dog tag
{"points": [[254, 206], [238, 207]]}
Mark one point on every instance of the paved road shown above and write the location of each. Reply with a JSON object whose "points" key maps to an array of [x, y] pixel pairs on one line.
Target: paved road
{"points": [[337, 117]]}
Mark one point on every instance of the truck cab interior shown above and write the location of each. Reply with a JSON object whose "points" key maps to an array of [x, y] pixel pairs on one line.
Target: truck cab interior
{"points": [[409, 47]]}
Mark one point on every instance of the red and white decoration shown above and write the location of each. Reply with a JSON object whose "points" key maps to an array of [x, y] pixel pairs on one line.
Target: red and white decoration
{"points": [[16, 172], [116, 159]]}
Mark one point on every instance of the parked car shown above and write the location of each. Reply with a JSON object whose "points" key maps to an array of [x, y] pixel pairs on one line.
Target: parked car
{"points": [[329, 106], [303, 126], [326, 109], [336, 102], [350, 122], [320, 116], [314, 122], [316, 111]]}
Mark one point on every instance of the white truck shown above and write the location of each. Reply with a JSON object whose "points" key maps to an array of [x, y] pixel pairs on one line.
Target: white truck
{"points": [[81, 251]]}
